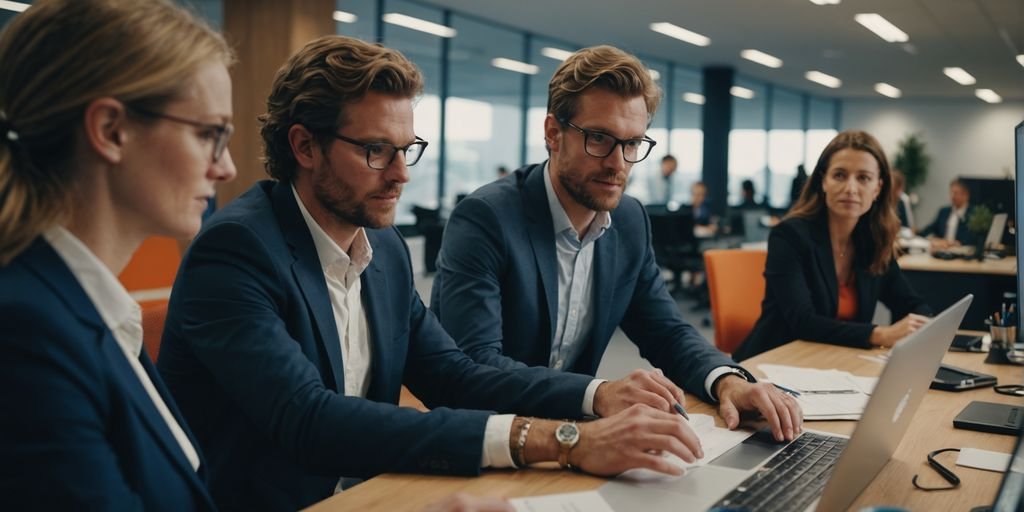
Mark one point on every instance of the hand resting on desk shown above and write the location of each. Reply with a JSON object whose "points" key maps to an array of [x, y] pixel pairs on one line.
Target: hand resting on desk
{"points": [[782, 412], [650, 388], [887, 336]]}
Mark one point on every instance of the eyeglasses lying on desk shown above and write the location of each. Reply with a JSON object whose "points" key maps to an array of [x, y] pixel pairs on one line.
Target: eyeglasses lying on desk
{"points": [[1010, 389], [949, 476]]}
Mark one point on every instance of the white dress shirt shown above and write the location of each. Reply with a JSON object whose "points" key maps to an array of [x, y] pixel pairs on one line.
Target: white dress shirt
{"points": [[121, 314], [953, 222], [342, 271], [575, 291]]}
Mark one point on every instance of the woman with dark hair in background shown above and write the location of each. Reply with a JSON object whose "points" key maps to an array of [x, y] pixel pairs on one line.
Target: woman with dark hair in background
{"points": [[834, 257], [114, 121]]}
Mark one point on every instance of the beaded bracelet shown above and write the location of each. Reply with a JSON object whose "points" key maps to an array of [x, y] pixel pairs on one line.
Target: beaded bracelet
{"points": [[519, 449]]}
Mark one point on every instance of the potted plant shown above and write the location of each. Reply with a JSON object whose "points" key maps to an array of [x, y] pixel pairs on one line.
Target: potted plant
{"points": [[912, 160], [978, 223]]}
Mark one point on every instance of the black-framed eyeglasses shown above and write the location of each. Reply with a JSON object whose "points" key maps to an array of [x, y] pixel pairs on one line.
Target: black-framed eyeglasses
{"points": [[379, 155], [219, 133], [946, 473], [600, 145]]}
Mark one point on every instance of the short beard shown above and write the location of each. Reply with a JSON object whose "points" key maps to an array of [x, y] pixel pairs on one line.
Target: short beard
{"points": [[577, 189], [342, 204]]}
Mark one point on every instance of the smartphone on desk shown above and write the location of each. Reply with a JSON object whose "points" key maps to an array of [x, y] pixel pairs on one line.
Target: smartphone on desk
{"points": [[966, 343]]}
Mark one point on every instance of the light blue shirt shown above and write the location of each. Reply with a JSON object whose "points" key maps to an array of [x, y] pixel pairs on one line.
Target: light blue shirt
{"points": [[575, 280]]}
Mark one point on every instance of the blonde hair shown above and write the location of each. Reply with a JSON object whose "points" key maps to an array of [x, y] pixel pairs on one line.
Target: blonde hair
{"points": [[312, 88], [55, 59], [604, 67]]}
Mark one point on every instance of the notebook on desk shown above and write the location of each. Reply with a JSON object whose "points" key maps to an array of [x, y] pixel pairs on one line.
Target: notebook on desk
{"points": [[817, 471]]}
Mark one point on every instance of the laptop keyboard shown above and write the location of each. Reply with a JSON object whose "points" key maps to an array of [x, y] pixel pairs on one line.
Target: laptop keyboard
{"points": [[790, 480]]}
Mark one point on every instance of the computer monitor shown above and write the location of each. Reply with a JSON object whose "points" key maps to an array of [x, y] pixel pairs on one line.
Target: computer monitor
{"points": [[995, 231], [1018, 221]]}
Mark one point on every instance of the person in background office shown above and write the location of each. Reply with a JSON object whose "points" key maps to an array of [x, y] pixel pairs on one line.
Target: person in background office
{"points": [[662, 193], [538, 271], [903, 209], [749, 201], [833, 258], [114, 121], [798, 184], [950, 225], [294, 321]]}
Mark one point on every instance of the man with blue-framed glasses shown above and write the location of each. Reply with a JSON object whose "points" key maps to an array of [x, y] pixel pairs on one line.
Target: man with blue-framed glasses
{"points": [[540, 269]]}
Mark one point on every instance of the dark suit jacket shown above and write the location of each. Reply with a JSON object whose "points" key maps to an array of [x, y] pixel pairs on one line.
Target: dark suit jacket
{"points": [[496, 290], [938, 226], [802, 293], [78, 431], [251, 352]]}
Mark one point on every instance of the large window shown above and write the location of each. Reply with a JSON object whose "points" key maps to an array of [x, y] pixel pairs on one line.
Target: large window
{"points": [[821, 129], [687, 137], [364, 26], [484, 110], [785, 145], [425, 51], [543, 54], [748, 141]]}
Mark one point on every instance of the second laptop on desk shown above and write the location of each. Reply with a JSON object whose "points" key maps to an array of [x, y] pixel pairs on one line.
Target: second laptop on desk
{"points": [[810, 473]]}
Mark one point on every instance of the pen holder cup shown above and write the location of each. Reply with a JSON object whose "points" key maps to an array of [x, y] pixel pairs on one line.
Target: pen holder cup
{"points": [[1002, 350]]}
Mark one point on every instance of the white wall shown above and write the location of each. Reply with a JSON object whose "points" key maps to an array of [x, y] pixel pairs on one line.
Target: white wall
{"points": [[962, 137]]}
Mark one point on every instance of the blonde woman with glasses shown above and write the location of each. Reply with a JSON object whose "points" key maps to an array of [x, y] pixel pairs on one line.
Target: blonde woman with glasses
{"points": [[114, 121]]}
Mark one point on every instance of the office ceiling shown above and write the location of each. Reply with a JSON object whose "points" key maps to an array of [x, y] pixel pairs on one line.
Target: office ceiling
{"points": [[981, 36]]}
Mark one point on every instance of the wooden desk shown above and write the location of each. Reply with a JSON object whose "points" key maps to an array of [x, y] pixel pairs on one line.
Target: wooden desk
{"points": [[943, 282], [931, 429]]}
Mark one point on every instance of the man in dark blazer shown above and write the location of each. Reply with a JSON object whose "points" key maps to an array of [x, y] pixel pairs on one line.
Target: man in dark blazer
{"points": [[84, 435], [946, 231], [294, 320], [539, 270]]}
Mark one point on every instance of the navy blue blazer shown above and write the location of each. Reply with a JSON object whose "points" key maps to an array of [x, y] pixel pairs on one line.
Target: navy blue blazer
{"points": [[78, 430], [801, 297], [938, 226], [252, 354], [496, 289]]}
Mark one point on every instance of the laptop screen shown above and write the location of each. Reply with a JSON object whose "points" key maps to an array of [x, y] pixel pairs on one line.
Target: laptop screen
{"points": [[1012, 489]]}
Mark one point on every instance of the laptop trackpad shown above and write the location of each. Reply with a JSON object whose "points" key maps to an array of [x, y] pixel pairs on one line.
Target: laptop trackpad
{"points": [[700, 488], [751, 452]]}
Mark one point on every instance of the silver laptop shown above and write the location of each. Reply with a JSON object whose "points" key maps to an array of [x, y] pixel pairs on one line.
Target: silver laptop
{"points": [[851, 463]]}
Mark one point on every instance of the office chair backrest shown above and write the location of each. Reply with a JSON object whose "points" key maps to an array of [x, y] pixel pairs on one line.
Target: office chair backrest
{"points": [[150, 273], [736, 284], [153, 317]]}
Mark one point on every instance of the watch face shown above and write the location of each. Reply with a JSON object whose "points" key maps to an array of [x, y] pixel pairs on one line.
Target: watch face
{"points": [[567, 433]]}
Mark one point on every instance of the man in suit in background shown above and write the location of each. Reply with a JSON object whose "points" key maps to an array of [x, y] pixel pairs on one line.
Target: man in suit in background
{"points": [[950, 225], [294, 321], [539, 270]]}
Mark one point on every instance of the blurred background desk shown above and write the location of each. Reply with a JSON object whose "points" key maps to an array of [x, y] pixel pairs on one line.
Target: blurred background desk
{"points": [[943, 282], [931, 429]]}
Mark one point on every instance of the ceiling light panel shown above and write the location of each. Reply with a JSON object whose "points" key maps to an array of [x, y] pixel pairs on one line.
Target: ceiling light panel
{"points": [[761, 58], [680, 33], [824, 79], [410, 22], [960, 76], [882, 27], [887, 90]]}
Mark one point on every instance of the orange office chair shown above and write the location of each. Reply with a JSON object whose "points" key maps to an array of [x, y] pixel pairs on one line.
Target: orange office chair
{"points": [[149, 275], [736, 284], [153, 328]]}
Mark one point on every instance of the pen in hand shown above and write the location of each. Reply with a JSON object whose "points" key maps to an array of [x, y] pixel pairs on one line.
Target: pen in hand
{"points": [[680, 410], [791, 392]]}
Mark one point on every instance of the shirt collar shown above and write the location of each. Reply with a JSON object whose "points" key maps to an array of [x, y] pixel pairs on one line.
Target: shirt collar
{"points": [[330, 254], [602, 221], [115, 306]]}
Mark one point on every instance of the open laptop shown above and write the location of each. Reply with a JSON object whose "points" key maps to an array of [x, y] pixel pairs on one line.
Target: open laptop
{"points": [[995, 231], [841, 467]]}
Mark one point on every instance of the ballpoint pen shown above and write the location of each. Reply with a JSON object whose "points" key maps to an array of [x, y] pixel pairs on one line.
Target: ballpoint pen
{"points": [[831, 392], [784, 389], [680, 410]]}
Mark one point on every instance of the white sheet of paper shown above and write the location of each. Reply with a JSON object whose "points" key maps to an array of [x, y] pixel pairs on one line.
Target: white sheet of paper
{"points": [[825, 394], [983, 459], [713, 440], [587, 501]]}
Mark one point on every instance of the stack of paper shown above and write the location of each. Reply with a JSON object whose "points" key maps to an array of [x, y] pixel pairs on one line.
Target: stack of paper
{"points": [[824, 394]]}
